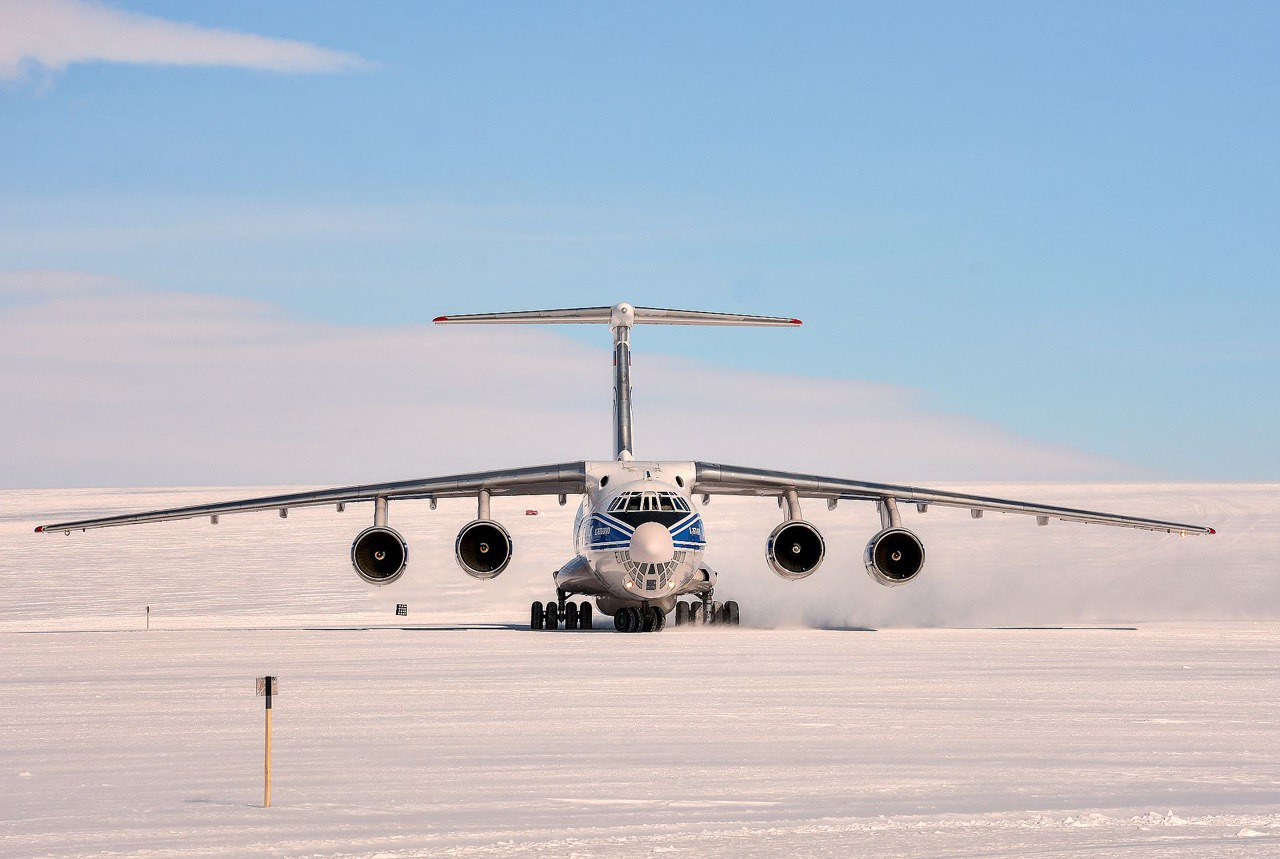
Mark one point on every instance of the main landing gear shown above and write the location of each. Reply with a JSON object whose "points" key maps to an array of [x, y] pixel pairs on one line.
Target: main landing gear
{"points": [[553, 614], [650, 618], [708, 612]]}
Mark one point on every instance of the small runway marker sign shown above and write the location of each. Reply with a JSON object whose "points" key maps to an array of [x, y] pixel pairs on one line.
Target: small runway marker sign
{"points": [[402, 610]]}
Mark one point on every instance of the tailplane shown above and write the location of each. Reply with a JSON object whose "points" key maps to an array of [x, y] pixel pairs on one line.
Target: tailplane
{"points": [[617, 315]]}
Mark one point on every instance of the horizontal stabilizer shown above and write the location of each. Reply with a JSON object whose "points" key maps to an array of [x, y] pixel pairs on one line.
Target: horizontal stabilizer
{"points": [[619, 314]]}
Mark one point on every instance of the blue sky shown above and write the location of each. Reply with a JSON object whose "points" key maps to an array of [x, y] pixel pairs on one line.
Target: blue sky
{"points": [[1059, 218]]}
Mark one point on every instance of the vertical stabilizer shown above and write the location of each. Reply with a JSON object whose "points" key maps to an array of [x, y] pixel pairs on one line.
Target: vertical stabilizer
{"points": [[620, 318]]}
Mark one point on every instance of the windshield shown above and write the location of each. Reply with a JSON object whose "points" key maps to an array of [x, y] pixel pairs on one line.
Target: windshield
{"points": [[636, 508]]}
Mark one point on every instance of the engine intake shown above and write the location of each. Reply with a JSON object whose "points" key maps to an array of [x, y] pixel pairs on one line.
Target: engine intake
{"points": [[795, 549], [894, 557], [379, 555], [483, 549]]}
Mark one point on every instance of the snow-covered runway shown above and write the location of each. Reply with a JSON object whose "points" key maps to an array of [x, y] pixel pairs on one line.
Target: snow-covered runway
{"points": [[726, 742], [800, 733]]}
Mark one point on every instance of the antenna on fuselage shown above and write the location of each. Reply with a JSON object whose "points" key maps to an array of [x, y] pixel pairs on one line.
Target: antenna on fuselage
{"points": [[620, 318]]}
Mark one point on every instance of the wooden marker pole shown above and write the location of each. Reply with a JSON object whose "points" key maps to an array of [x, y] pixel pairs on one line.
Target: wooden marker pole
{"points": [[148, 618], [267, 687]]}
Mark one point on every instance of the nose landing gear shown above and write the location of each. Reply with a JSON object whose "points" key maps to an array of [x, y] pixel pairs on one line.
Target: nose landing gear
{"points": [[650, 618]]}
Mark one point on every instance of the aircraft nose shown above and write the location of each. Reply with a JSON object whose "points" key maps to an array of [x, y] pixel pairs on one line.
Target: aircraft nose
{"points": [[651, 544]]}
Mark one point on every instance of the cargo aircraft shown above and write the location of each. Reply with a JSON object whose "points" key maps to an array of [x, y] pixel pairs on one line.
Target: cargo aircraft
{"points": [[639, 536]]}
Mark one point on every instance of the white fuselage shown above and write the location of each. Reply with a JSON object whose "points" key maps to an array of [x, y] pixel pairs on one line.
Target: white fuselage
{"points": [[638, 536]]}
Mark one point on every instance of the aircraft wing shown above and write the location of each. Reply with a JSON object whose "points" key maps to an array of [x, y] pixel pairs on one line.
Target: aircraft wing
{"points": [[565, 479], [716, 479]]}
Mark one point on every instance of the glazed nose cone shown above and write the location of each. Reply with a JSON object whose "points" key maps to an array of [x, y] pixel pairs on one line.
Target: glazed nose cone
{"points": [[651, 544]]}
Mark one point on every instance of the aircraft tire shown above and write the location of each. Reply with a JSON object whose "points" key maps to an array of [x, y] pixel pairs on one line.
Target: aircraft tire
{"points": [[682, 613], [536, 616], [659, 619], [622, 620], [553, 617], [584, 616], [695, 613], [732, 616], [571, 616]]}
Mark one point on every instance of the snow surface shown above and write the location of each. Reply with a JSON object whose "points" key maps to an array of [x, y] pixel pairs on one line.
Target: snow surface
{"points": [[806, 733]]}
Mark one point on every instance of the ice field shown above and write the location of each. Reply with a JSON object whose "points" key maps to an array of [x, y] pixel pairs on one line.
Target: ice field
{"points": [[840, 719]]}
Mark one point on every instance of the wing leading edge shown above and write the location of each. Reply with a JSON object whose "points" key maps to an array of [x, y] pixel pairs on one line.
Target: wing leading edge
{"points": [[716, 479], [564, 479]]}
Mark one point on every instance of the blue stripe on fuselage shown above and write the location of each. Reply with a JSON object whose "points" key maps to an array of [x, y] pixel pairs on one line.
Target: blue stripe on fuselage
{"points": [[688, 533], [610, 533]]}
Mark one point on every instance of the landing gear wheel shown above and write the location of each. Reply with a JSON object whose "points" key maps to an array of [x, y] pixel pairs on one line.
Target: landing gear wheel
{"points": [[717, 613], [536, 615], [571, 615], [622, 621], [731, 615], [584, 616], [695, 613], [682, 613], [657, 619], [553, 617]]}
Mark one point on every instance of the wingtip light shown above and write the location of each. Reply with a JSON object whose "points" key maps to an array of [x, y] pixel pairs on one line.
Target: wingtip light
{"points": [[1212, 531], [796, 322], [441, 319], [39, 529]]}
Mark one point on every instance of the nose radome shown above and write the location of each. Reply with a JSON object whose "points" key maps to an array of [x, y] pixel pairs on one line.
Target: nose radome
{"points": [[651, 544]]}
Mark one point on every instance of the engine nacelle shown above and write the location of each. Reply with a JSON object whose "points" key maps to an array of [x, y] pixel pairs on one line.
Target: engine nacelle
{"points": [[894, 557], [379, 555], [795, 549], [483, 549]]}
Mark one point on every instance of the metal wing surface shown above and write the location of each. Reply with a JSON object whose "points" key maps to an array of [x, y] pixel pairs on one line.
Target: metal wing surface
{"points": [[564, 479], [716, 479]]}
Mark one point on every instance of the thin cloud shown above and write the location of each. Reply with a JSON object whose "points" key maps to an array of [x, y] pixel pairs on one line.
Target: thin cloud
{"points": [[37, 284], [112, 385], [53, 34]]}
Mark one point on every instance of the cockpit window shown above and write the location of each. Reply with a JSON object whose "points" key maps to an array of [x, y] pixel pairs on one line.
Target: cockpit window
{"points": [[635, 508], [649, 501]]}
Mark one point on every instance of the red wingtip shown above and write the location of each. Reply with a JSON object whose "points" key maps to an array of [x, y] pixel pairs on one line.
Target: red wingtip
{"points": [[39, 529], [796, 322], [1211, 531], [440, 319]]}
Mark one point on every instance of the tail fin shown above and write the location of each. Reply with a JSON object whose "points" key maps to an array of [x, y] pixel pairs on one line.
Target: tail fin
{"points": [[620, 318], [619, 315]]}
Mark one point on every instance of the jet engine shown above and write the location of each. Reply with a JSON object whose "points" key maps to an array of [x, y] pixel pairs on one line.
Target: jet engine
{"points": [[894, 557], [379, 555], [795, 549], [483, 549]]}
